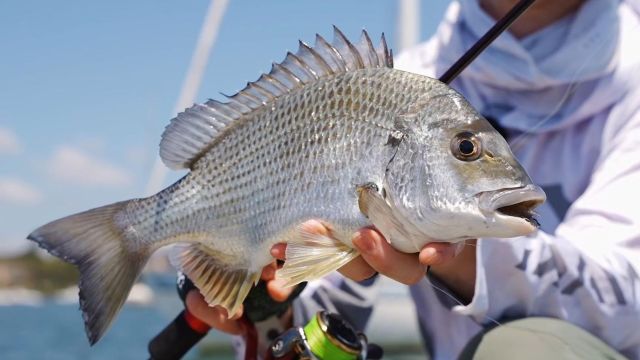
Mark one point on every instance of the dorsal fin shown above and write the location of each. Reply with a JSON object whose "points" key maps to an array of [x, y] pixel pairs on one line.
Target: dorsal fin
{"points": [[189, 134]]}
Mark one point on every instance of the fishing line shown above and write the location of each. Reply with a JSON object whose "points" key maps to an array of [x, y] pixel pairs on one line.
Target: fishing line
{"points": [[498, 28], [460, 65], [452, 297], [520, 139], [493, 320], [498, 323]]}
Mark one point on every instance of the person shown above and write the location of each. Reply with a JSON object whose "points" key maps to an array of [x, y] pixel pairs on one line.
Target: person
{"points": [[561, 86]]}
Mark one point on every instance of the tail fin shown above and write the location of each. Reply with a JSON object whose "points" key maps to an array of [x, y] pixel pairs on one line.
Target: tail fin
{"points": [[96, 244]]}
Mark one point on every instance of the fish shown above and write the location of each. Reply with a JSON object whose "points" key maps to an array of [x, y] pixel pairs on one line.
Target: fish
{"points": [[332, 133]]}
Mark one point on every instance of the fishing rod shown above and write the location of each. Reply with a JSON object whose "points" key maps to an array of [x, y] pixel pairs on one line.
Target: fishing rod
{"points": [[317, 342], [498, 28]]}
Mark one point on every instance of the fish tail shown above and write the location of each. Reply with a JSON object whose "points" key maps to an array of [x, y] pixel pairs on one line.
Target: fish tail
{"points": [[108, 264]]}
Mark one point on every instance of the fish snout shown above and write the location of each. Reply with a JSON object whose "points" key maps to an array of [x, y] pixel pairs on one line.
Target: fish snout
{"points": [[512, 206]]}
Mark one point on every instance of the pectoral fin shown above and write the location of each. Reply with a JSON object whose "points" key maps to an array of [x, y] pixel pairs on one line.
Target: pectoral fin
{"points": [[219, 283], [401, 234], [366, 194], [373, 205], [314, 256]]}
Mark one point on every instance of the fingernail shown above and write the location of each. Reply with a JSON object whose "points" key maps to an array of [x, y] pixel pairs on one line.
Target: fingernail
{"points": [[278, 290], [364, 245], [429, 254], [458, 248], [237, 315], [274, 252]]}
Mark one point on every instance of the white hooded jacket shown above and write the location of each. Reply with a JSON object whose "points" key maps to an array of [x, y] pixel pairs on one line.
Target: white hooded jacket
{"points": [[568, 97]]}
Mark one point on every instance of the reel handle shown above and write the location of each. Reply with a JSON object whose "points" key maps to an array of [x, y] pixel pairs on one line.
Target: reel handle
{"points": [[177, 338]]}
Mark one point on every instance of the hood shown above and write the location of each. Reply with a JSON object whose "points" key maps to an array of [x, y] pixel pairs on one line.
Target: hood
{"points": [[560, 75]]}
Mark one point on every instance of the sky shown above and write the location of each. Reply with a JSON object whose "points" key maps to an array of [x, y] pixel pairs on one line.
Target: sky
{"points": [[86, 88]]}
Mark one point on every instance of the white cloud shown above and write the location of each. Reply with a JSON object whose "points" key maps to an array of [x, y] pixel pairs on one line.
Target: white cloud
{"points": [[77, 167], [9, 143], [18, 192]]}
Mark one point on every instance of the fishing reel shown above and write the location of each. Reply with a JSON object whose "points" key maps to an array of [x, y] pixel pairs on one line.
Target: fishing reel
{"points": [[325, 336]]}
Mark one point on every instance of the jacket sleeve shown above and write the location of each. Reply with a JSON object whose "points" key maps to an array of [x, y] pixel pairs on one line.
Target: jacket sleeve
{"points": [[585, 272], [335, 293]]}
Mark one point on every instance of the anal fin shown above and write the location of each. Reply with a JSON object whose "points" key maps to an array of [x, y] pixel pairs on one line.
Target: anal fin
{"points": [[219, 283], [314, 256]]}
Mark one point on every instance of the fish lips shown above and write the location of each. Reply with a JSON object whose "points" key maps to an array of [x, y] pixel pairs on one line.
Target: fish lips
{"points": [[512, 208]]}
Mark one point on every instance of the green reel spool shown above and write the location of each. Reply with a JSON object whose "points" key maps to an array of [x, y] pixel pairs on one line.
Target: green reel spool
{"points": [[330, 337]]}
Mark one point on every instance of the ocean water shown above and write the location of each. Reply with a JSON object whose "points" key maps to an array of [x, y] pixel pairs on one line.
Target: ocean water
{"points": [[55, 332], [52, 330]]}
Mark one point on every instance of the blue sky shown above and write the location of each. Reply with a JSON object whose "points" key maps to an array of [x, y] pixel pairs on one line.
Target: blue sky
{"points": [[86, 88]]}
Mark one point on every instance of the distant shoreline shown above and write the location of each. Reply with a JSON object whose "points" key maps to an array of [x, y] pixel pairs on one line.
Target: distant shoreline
{"points": [[31, 271]]}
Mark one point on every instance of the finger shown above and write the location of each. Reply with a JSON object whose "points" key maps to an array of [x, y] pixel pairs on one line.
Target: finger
{"points": [[216, 316], [235, 316], [316, 227], [357, 269], [269, 272], [279, 250], [278, 291], [437, 253], [374, 249]]}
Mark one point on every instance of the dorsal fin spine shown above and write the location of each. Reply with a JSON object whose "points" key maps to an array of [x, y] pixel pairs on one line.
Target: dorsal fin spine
{"points": [[372, 55], [226, 113], [288, 73], [317, 57], [194, 131], [257, 87], [302, 65], [386, 52], [276, 83], [352, 48], [247, 94], [333, 52], [239, 106]]}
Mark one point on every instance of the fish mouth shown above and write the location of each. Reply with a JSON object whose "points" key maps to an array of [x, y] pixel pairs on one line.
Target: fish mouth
{"points": [[514, 204]]}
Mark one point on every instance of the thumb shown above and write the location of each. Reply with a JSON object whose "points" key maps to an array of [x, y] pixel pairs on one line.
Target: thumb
{"points": [[278, 290], [436, 253]]}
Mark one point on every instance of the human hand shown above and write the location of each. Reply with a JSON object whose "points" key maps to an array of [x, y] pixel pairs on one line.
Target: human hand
{"points": [[217, 316], [453, 264]]}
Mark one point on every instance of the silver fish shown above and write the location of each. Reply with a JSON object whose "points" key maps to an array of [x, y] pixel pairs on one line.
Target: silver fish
{"points": [[332, 133]]}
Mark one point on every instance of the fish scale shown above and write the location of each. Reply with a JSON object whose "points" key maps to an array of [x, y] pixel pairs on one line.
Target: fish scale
{"points": [[333, 133], [299, 145]]}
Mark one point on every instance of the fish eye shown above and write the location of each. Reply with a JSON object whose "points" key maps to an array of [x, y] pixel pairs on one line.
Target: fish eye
{"points": [[466, 146]]}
